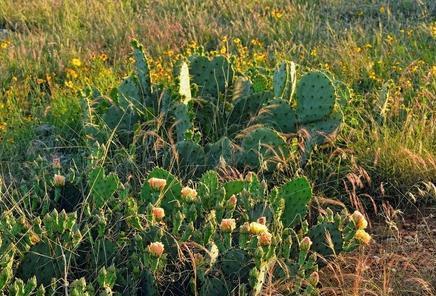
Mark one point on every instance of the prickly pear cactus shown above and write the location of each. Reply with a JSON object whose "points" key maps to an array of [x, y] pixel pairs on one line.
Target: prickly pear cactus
{"points": [[284, 81], [222, 150], [247, 107], [278, 115], [102, 186], [262, 146], [327, 239], [297, 195], [316, 97], [142, 71], [212, 76]]}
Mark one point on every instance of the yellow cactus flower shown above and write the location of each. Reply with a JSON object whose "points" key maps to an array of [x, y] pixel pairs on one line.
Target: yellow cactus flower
{"points": [[233, 200], [359, 220], [158, 213], [59, 180], [156, 249], [257, 228], [228, 225], [265, 239], [157, 183], [363, 236], [189, 193]]}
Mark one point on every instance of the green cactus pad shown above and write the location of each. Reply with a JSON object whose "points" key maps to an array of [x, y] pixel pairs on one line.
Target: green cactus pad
{"points": [[247, 107], [319, 233], [315, 97], [262, 145], [43, 261], [191, 158], [129, 93], [102, 186], [261, 209], [284, 81], [234, 187], [320, 130], [172, 188], [278, 115], [222, 149], [182, 120], [142, 69], [235, 263], [241, 88], [297, 195], [214, 286], [212, 76], [123, 121]]}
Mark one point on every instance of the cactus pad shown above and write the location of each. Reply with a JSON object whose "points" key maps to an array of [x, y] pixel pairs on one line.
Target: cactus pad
{"points": [[212, 76], [172, 188], [222, 149], [142, 69], [319, 235], [247, 107], [278, 115], [315, 97], [297, 195], [102, 187], [191, 157], [262, 145]]}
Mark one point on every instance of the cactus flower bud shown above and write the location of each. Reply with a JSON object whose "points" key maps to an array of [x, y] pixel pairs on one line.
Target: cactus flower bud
{"points": [[156, 249], [189, 193], [314, 278], [305, 244], [56, 163], [359, 220], [228, 225], [157, 183], [363, 236], [59, 180], [261, 220], [249, 177], [265, 239], [233, 200], [158, 213], [257, 228]]}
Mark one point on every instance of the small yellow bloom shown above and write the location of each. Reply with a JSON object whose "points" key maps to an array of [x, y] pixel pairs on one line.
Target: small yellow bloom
{"points": [[71, 73], [158, 213], [277, 14], [265, 239], [156, 249], [382, 9], [257, 228], [76, 62], [314, 52], [314, 278], [157, 183], [363, 236], [228, 225], [189, 193], [40, 81], [359, 220], [69, 84], [59, 180]]}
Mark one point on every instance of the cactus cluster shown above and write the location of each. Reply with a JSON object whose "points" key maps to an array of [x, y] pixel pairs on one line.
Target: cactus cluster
{"points": [[218, 115], [222, 237]]}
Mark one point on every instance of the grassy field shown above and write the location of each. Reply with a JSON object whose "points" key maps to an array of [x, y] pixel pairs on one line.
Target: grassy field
{"points": [[382, 53]]}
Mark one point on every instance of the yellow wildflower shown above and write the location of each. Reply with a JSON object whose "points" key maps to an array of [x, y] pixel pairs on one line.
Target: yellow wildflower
{"points": [[228, 225], [265, 239], [359, 220], [59, 180], [189, 193], [76, 62], [158, 213]]}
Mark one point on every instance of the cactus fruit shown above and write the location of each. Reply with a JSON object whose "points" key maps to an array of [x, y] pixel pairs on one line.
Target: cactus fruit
{"points": [[297, 195], [315, 97], [278, 115], [262, 146]]}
